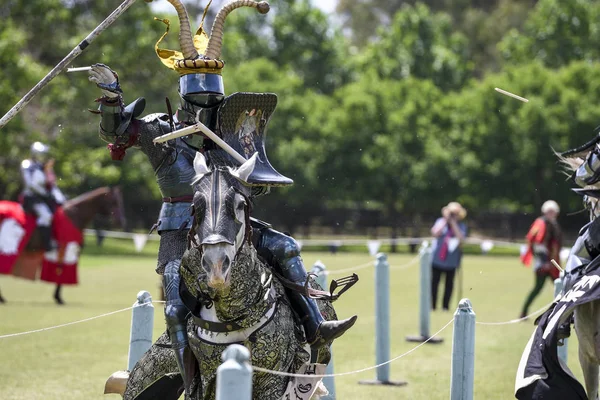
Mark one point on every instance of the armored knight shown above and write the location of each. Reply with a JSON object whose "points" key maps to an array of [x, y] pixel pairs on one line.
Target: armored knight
{"points": [[40, 193], [202, 100], [584, 161]]}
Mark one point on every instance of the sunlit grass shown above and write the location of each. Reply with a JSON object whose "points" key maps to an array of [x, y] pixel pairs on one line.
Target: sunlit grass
{"points": [[74, 362]]}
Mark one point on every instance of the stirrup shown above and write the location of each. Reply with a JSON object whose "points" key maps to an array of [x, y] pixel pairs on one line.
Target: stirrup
{"points": [[344, 284]]}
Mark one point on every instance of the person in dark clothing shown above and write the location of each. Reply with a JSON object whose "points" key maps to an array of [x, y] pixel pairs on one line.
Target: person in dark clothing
{"points": [[449, 232], [544, 241]]}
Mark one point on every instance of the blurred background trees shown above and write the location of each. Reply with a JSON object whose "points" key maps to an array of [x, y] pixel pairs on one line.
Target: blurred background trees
{"points": [[386, 111]]}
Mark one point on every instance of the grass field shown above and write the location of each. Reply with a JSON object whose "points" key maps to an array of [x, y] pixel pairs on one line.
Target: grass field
{"points": [[74, 362]]}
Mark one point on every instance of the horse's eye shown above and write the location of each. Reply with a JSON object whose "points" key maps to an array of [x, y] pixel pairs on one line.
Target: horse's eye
{"points": [[241, 206]]}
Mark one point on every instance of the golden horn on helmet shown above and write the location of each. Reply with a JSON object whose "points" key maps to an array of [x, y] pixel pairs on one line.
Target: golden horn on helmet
{"points": [[213, 50], [185, 33]]}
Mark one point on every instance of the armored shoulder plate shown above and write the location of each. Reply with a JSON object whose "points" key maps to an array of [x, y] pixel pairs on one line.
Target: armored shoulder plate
{"points": [[242, 121], [26, 164]]}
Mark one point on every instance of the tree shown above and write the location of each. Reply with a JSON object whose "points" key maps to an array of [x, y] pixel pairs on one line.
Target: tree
{"points": [[556, 33], [421, 44]]}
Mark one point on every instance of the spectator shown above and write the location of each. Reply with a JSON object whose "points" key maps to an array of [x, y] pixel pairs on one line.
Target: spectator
{"points": [[449, 232], [544, 241]]}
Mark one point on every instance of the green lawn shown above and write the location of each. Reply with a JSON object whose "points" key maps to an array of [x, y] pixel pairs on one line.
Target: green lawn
{"points": [[74, 362]]}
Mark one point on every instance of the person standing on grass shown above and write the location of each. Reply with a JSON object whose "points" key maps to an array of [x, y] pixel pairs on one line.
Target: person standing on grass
{"points": [[544, 241], [449, 232]]}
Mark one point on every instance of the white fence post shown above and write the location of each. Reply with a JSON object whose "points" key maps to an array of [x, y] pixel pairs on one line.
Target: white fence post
{"points": [[562, 350], [142, 324], [382, 323], [329, 381], [234, 376], [426, 257], [463, 352]]}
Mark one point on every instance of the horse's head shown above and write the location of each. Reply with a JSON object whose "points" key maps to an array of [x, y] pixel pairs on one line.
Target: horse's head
{"points": [[221, 217], [105, 201]]}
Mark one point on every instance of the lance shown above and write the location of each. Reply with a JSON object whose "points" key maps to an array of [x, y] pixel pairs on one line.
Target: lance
{"points": [[65, 61], [200, 127]]}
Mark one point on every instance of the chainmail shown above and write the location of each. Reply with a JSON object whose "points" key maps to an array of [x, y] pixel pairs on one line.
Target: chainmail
{"points": [[172, 246]]}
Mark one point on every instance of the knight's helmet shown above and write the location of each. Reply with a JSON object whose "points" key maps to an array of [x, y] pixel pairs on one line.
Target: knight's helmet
{"points": [[198, 63], [202, 92], [40, 152]]}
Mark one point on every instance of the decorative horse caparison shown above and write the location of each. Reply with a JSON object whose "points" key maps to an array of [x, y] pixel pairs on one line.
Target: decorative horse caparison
{"points": [[225, 284], [79, 211]]}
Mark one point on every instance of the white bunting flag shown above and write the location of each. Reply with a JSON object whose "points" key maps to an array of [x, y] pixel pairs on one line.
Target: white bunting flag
{"points": [[486, 246], [373, 246], [139, 240]]}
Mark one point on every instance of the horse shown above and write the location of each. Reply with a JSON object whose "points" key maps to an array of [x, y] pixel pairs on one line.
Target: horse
{"points": [[234, 297], [76, 214]]}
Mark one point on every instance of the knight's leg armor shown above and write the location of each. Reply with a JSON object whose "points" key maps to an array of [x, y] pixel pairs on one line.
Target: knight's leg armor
{"points": [[172, 247], [282, 252], [44, 224], [176, 318]]}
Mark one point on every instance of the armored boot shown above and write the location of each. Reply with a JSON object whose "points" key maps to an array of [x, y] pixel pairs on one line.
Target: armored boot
{"points": [[318, 331], [282, 252], [176, 318]]}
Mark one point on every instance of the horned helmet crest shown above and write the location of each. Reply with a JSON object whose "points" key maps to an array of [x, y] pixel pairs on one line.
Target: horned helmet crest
{"points": [[201, 53]]}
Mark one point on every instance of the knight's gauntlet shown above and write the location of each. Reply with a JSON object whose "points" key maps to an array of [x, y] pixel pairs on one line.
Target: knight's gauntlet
{"points": [[106, 79]]}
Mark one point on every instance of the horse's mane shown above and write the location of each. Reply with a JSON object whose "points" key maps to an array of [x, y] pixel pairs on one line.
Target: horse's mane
{"points": [[88, 196]]}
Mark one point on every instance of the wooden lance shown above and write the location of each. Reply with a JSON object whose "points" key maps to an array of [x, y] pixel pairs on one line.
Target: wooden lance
{"points": [[68, 59]]}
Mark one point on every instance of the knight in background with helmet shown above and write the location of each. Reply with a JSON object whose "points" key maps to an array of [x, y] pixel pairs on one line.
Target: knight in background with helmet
{"points": [[41, 196], [202, 99]]}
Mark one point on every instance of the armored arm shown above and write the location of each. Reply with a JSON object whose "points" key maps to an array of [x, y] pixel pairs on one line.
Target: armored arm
{"points": [[116, 124]]}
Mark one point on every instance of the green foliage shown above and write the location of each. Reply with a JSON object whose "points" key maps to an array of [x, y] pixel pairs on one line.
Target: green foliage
{"points": [[556, 33], [421, 44], [396, 113]]}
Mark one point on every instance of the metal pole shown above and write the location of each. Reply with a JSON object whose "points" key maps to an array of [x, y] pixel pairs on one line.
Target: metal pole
{"points": [[562, 350], [68, 59], [463, 352], [142, 324], [426, 255], [234, 376], [329, 381], [382, 322]]}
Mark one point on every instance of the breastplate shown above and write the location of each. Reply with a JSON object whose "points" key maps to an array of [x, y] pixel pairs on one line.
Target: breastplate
{"points": [[175, 174]]}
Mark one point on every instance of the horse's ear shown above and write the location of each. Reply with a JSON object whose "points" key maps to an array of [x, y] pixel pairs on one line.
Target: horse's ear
{"points": [[243, 172], [200, 167]]}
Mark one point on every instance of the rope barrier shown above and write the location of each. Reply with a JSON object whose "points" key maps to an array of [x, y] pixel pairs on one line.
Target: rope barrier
{"points": [[73, 322], [372, 264], [406, 265], [323, 242], [268, 371], [351, 269], [514, 321]]}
